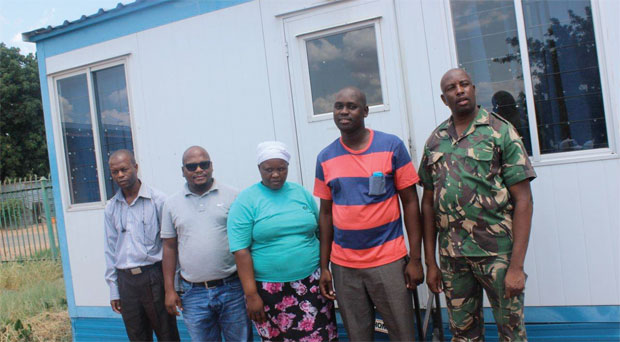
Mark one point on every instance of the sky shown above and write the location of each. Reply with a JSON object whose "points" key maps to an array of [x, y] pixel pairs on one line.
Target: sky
{"points": [[19, 16]]}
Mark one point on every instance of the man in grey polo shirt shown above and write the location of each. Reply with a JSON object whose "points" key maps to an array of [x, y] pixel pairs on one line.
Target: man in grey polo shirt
{"points": [[194, 229]]}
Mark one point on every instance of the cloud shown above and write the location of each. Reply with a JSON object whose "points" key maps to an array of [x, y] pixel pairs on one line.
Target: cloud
{"points": [[358, 43], [115, 118], [465, 23], [72, 114], [358, 48], [69, 116], [322, 50], [46, 19], [17, 38], [66, 108], [323, 104], [118, 96], [348, 58], [17, 25]]}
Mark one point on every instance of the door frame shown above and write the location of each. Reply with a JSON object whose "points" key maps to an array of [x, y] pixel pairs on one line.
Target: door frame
{"points": [[386, 26]]}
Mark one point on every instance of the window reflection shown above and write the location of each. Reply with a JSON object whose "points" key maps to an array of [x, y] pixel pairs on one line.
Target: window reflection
{"points": [[343, 59], [112, 121], [488, 48], [563, 64], [113, 115], [79, 141], [565, 75]]}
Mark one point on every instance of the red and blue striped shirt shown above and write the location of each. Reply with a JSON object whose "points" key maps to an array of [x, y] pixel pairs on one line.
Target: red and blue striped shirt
{"points": [[368, 230]]}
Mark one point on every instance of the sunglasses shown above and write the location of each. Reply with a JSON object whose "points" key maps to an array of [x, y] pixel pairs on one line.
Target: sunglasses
{"points": [[193, 166]]}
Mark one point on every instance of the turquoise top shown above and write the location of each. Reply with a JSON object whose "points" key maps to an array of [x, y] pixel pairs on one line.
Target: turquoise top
{"points": [[280, 228]]}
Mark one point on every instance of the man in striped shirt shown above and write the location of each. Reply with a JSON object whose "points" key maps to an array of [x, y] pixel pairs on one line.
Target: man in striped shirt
{"points": [[360, 178]]}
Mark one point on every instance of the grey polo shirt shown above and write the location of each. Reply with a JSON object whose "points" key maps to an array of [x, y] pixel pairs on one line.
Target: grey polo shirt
{"points": [[199, 224]]}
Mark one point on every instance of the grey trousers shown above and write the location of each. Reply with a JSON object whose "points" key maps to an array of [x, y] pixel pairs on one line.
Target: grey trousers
{"points": [[358, 291]]}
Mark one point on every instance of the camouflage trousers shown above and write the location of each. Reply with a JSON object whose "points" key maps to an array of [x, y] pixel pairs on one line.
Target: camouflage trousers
{"points": [[464, 279]]}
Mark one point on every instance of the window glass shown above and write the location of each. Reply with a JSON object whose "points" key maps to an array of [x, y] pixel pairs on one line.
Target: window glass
{"points": [[113, 116], [343, 59], [78, 136], [487, 46], [565, 75]]}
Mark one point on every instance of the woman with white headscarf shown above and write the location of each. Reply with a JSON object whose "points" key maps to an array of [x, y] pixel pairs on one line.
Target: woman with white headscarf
{"points": [[272, 230]]}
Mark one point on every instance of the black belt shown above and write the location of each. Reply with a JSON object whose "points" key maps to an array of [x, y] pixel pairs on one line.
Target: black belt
{"points": [[214, 283], [139, 270]]}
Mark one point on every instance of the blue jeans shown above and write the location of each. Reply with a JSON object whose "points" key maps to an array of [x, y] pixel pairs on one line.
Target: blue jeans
{"points": [[211, 313]]}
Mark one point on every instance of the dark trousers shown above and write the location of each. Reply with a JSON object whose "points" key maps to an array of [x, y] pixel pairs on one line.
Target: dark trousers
{"points": [[143, 307], [360, 290]]}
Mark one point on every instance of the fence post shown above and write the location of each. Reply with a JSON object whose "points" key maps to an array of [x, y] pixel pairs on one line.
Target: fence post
{"points": [[48, 218]]}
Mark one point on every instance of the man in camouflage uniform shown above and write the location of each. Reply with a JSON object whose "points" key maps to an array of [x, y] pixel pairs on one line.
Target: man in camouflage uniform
{"points": [[476, 176]]}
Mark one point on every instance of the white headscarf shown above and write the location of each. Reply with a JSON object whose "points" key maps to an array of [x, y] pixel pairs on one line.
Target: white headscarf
{"points": [[271, 150]]}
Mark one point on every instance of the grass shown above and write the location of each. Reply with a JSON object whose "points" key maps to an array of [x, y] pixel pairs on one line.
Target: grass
{"points": [[33, 306]]}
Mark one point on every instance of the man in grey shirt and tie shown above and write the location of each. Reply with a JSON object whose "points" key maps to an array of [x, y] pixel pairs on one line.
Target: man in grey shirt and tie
{"points": [[194, 229], [133, 253]]}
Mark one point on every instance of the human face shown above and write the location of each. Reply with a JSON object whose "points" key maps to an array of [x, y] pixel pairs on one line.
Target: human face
{"points": [[458, 92], [349, 111], [273, 173], [199, 178], [123, 171]]}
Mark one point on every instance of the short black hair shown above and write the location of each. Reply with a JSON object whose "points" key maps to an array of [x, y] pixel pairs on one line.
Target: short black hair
{"points": [[123, 152]]}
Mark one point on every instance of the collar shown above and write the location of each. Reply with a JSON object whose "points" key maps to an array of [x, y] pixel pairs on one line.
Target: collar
{"points": [[364, 149], [145, 192], [482, 118], [188, 192]]}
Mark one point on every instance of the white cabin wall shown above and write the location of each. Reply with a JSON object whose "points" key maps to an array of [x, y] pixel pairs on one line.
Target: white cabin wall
{"points": [[240, 52], [573, 256], [206, 83], [575, 234], [422, 96], [202, 80], [276, 63], [84, 227]]}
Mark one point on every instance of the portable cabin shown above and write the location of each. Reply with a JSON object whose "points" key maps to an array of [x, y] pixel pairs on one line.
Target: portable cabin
{"points": [[158, 76]]}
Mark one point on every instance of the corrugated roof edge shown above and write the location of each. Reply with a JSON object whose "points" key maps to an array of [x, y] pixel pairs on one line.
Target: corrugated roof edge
{"points": [[101, 15]]}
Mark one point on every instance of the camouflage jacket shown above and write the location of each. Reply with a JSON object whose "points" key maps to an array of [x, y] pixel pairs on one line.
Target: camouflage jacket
{"points": [[470, 176]]}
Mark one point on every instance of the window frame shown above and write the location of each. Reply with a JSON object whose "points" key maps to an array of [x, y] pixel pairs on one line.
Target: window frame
{"points": [[537, 158], [332, 30], [61, 149]]}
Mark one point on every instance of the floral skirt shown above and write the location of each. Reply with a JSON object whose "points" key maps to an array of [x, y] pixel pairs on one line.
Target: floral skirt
{"points": [[296, 311]]}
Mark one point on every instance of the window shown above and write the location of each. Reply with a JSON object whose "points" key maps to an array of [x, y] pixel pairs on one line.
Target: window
{"points": [[337, 60], [91, 136], [565, 93]]}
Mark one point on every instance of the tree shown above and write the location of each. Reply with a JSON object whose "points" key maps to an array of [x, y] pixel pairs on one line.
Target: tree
{"points": [[566, 49], [23, 149]]}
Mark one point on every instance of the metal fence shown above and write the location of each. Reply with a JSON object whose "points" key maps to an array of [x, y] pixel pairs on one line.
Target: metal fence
{"points": [[27, 220]]}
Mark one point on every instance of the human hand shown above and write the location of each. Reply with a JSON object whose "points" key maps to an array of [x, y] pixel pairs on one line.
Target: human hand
{"points": [[325, 284], [514, 282], [414, 274], [433, 278], [173, 301], [256, 309], [116, 305]]}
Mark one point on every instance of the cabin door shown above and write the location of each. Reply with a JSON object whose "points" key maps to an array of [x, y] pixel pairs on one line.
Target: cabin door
{"points": [[337, 45]]}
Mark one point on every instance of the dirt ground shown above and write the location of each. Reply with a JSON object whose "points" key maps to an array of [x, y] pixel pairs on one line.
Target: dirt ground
{"points": [[25, 242], [46, 326]]}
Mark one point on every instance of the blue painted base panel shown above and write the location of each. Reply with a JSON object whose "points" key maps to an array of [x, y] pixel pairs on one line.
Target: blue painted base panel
{"points": [[559, 332], [112, 329]]}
